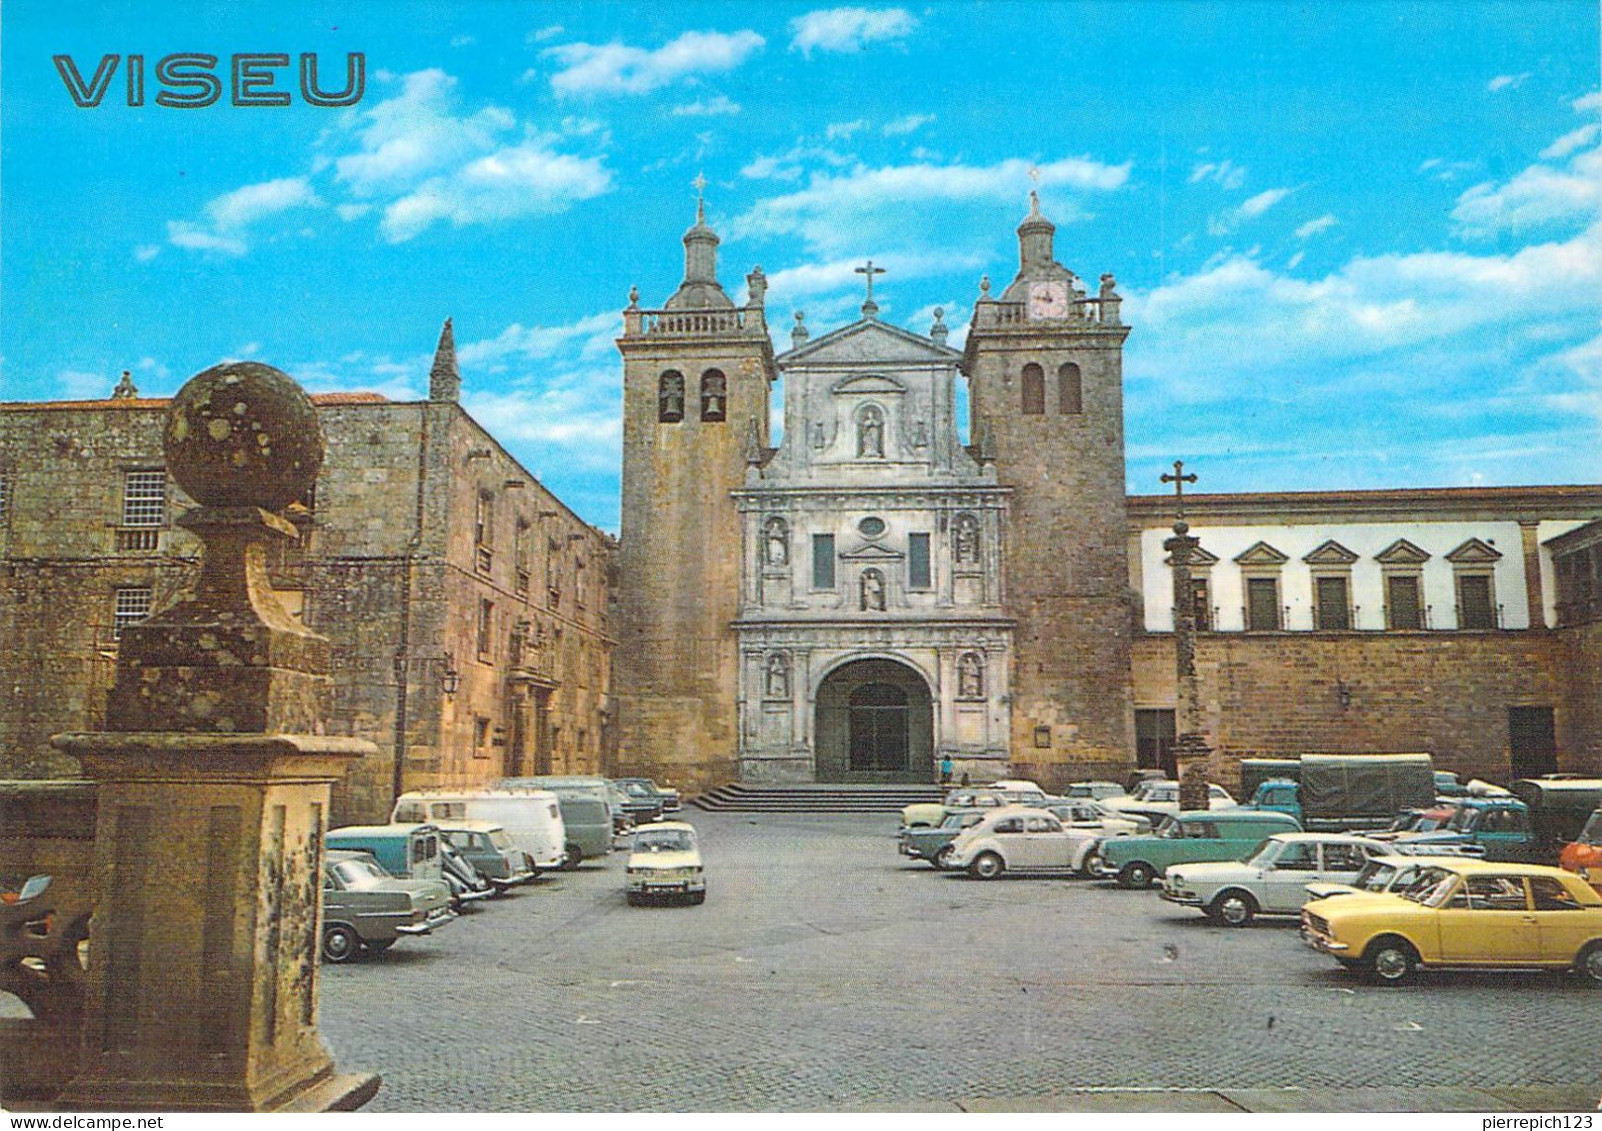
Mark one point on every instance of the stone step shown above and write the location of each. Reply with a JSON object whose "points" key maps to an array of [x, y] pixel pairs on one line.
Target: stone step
{"points": [[815, 797]]}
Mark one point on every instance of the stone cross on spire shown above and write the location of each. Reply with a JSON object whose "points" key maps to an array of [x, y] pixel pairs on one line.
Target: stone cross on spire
{"points": [[700, 197], [1179, 479], [870, 308]]}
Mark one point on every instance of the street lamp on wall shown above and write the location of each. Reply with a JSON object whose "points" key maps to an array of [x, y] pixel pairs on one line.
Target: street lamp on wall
{"points": [[1343, 694], [450, 679]]}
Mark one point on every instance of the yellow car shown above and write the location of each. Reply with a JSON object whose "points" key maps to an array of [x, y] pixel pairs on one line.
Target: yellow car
{"points": [[1464, 913]]}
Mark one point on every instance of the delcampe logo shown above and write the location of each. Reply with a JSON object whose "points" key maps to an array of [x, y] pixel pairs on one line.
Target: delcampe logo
{"points": [[188, 80]]}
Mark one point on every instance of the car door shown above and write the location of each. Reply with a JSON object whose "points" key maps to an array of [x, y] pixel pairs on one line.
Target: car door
{"points": [[1041, 844], [1008, 837], [1488, 920], [1285, 881], [1560, 918]]}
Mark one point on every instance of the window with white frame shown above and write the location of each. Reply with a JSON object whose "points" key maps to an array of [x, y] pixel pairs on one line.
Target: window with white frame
{"points": [[144, 498], [131, 605]]}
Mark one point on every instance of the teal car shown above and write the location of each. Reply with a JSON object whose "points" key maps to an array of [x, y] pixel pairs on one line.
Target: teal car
{"points": [[1186, 838], [928, 842]]}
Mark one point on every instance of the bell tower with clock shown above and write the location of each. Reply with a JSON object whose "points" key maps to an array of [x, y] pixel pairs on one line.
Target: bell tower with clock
{"points": [[1044, 363]]}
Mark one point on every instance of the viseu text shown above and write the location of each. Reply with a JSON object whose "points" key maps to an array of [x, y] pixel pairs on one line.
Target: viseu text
{"points": [[188, 80]]}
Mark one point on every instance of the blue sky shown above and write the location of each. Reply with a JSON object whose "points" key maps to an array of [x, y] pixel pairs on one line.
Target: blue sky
{"points": [[1359, 242]]}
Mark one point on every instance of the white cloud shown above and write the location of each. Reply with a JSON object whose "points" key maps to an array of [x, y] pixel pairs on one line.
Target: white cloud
{"points": [[193, 237], [1256, 205], [1295, 261], [1225, 173], [1506, 82], [1571, 141], [1587, 102], [617, 68], [588, 338], [242, 207], [909, 124], [1314, 227], [1538, 196], [463, 40], [832, 208], [416, 133], [349, 212], [706, 108], [545, 33], [849, 29], [522, 180], [145, 252], [789, 166], [842, 131], [1445, 170]]}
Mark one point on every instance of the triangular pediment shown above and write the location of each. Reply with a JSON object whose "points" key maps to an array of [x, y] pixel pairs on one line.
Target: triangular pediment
{"points": [[1261, 554], [1200, 558], [1402, 552], [1331, 553], [870, 342], [872, 552], [1474, 552]]}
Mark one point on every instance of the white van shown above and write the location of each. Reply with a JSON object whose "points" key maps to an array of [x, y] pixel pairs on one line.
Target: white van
{"points": [[531, 817]]}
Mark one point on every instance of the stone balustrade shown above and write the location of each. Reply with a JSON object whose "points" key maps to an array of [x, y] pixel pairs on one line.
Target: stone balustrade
{"points": [[693, 323]]}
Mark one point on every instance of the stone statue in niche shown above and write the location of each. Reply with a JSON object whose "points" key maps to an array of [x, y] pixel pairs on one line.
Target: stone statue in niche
{"points": [[870, 433], [819, 438], [778, 680], [920, 435], [873, 596], [776, 542], [970, 676], [965, 540]]}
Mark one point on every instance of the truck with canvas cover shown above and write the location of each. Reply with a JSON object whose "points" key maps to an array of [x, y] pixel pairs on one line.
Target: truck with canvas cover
{"points": [[1352, 792]]}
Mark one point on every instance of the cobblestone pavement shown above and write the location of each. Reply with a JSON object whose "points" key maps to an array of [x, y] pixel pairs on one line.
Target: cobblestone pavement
{"points": [[826, 972]]}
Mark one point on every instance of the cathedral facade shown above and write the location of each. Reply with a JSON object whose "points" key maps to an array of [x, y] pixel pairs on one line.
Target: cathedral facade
{"points": [[852, 604]]}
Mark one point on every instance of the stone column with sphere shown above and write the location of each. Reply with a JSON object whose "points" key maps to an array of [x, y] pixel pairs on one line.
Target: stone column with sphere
{"points": [[213, 791]]}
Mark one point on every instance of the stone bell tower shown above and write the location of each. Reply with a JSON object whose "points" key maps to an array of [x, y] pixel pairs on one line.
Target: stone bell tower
{"points": [[696, 376], [1044, 363]]}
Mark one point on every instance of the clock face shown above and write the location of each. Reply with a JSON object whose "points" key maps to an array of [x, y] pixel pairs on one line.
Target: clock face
{"points": [[1048, 299]]}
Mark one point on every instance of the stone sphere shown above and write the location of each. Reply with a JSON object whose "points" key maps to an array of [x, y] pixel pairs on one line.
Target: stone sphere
{"points": [[243, 435]]}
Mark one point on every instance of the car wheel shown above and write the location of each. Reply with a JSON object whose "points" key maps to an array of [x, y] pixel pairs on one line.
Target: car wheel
{"points": [[572, 858], [1233, 909], [1391, 961], [987, 866], [1589, 963], [1137, 875], [942, 859], [1092, 861], [340, 943]]}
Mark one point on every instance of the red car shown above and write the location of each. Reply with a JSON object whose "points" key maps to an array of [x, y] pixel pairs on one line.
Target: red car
{"points": [[1585, 854]]}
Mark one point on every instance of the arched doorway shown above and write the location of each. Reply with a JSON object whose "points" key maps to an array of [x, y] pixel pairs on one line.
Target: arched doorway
{"points": [[875, 723]]}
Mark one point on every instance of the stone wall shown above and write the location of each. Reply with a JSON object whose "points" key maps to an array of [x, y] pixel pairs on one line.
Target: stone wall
{"points": [[1447, 694], [1579, 724]]}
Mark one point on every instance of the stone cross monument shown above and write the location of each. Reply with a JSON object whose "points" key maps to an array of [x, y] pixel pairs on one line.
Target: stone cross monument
{"points": [[1192, 755], [213, 790]]}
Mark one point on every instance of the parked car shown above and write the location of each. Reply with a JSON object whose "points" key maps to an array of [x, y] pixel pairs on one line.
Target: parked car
{"points": [[1584, 855], [1389, 873], [1473, 913], [1411, 821], [640, 805], [1085, 813], [586, 807], [468, 885], [665, 860], [1016, 838], [666, 797], [367, 909], [1271, 880], [1185, 838], [933, 843], [1157, 798], [1094, 789], [487, 847], [931, 813], [531, 817], [407, 851]]}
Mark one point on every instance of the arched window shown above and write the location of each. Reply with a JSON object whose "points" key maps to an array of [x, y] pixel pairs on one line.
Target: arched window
{"points": [[1070, 390], [714, 395], [1034, 390], [670, 397]]}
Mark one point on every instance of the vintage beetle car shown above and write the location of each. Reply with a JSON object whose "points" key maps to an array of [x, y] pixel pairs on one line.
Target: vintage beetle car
{"points": [[1016, 838], [1270, 881], [993, 796], [1472, 913], [665, 860], [491, 851], [366, 908], [1189, 837]]}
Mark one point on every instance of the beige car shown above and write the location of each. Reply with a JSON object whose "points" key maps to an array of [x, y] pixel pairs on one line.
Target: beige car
{"points": [[665, 861]]}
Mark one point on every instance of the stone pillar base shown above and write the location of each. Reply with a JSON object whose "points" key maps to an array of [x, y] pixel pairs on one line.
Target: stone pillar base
{"points": [[325, 1091]]}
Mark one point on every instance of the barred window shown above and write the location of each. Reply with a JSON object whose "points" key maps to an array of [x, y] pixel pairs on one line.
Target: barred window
{"points": [[132, 606], [5, 497], [144, 498]]}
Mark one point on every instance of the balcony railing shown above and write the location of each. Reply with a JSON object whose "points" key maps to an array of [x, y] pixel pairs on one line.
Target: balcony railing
{"points": [[692, 323], [138, 539], [990, 314]]}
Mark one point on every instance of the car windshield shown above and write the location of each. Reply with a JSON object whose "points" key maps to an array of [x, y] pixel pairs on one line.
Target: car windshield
{"points": [[1263, 855], [360, 873], [1375, 876], [502, 840], [1592, 833], [959, 820], [670, 840], [1431, 887], [1465, 820]]}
